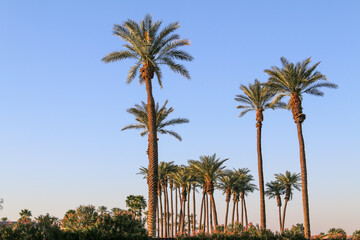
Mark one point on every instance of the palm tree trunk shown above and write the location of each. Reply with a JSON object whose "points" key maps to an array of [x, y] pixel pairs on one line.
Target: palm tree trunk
{"points": [[176, 212], [283, 220], [245, 210], [214, 210], [172, 210], [201, 210], [207, 214], [305, 196], [226, 214], [166, 210], [279, 205], [184, 215], [158, 220], [260, 169], [237, 210], [147, 72], [299, 117], [210, 214], [188, 211], [242, 211], [194, 208], [233, 212], [161, 217]]}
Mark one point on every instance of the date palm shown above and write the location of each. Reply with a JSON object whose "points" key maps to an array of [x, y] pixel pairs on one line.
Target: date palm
{"points": [[257, 97], [225, 182], [294, 80], [208, 168], [244, 186], [150, 47], [140, 113], [275, 189], [290, 181]]}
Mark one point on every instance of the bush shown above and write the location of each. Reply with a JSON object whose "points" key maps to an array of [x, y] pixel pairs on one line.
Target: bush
{"points": [[356, 235], [84, 223]]}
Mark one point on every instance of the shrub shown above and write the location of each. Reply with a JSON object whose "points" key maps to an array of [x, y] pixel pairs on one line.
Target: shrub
{"points": [[337, 233], [356, 235]]}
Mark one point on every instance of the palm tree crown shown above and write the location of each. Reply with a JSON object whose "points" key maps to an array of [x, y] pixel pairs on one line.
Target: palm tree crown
{"points": [[149, 46], [290, 181], [140, 113], [295, 79], [256, 97]]}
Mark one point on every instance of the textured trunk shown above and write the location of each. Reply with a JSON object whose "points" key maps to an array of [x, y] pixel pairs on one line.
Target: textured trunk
{"points": [[194, 210], [283, 218], [176, 211], [184, 215], [237, 210], [299, 117], [245, 210], [161, 217], [188, 211], [214, 210], [158, 220], [166, 210], [172, 209], [207, 214], [233, 212], [242, 211], [147, 72], [259, 119], [210, 213], [180, 214], [279, 205], [201, 210], [227, 199]]}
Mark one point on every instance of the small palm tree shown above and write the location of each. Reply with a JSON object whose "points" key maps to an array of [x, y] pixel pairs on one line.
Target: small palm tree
{"points": [[290, 181], [102, 210], [136, 204], [294, 80], [140, 113], [244, 186], [225, 183], [150, 47], [257, 97], [275, 189], [208, 168], [25, 213]]}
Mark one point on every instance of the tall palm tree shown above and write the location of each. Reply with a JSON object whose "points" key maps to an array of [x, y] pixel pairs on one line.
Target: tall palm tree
{"points": [[294, 80], [150, 47], [290, 181], [225, 183], [209, 168], [275, 189], [257, 97], [140, 113]]}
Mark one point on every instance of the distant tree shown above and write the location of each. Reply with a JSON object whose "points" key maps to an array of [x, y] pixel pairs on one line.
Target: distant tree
{"points": [[4, 219], [136, 204], [25, 213], [290, 181]]}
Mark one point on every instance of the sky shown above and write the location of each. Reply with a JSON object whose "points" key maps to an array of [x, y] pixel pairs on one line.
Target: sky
{"points": [[62, 109]]}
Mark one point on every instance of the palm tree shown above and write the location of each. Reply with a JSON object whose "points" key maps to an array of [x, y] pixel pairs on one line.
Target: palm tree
{"points": [[150, 48], [275, 189], [257, 97], [140, 113], [102, 210], [209, 168], [182, 178], [225, 183], [25, 213], [244, 187], [136, 204], [290, 182], [293, 80]]}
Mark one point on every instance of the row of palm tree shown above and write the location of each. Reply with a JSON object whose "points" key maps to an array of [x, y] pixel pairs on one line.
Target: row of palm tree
{"points": [[152, 47]]}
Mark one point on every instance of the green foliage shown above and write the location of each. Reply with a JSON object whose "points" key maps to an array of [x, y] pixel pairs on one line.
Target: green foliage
{"points": [[84, 223], [337, 234], [356, 235], [136, 204]]}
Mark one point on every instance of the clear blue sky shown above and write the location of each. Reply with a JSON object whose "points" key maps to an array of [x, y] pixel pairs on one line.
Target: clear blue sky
{"points": [[62, 109]]}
